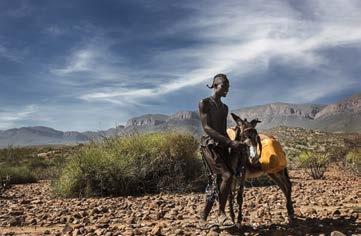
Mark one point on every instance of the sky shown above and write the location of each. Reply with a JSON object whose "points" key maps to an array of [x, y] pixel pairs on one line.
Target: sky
{"points": [[91, 65]]}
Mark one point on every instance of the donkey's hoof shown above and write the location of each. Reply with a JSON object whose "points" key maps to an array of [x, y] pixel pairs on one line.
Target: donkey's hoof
{"points": [[291, 219]]}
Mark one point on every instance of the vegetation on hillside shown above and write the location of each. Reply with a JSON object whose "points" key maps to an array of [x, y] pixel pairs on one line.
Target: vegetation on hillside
{"points": [[151, 163], [29, 164]]}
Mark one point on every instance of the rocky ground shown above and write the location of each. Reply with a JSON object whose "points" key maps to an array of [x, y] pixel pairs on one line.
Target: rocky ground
{"points": [[321, 206]]}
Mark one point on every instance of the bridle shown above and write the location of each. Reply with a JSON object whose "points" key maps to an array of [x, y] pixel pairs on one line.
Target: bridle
{"points": [[240, 135]]}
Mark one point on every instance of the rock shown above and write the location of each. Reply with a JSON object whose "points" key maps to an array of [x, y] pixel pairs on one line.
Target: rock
{"points": [[99, 232], [213, 233], [86, 220], [67, 229], [16, 213], [24, 201], [137, 232], [337, 212], [131, 220], [337, 233], [16, 221], [179, 232], [62, 220], [33, 221], [76, 232], [156, 230]]}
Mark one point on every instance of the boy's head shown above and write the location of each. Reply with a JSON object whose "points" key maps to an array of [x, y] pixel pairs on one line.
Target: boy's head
{"points": [[220, 85]]}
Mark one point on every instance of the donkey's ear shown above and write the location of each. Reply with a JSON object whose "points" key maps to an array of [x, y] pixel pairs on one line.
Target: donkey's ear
{"points": [[254, 122], [236, 118]]}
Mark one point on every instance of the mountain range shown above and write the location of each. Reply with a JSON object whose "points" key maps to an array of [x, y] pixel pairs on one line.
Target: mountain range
{"points": [[342, 116]]}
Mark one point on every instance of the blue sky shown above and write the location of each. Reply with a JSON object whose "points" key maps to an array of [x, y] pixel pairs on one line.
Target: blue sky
{"points": [[90, 65]]}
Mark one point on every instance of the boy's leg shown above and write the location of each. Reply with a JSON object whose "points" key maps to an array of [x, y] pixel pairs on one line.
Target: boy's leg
{"points": [[225, 188], [211, 195], [211, 192]]}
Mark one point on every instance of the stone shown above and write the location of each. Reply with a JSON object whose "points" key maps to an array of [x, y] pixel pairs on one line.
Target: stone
{"points": [[337, 233], [337, 212], [99, 232], [75, 232], [67, 229], [179, 232], [156, 230]]}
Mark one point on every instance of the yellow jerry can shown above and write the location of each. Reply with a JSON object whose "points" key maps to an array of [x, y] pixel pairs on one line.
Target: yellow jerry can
{"points": [[273, 158]]}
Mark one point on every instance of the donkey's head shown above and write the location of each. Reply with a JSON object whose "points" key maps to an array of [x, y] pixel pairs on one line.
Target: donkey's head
{"points": [[246, 133]]}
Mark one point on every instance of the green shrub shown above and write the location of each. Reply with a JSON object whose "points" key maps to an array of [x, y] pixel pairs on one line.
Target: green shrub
{"points": [[314, 162], [18, 174], [353, 159], [138, 164], [4, 184]]}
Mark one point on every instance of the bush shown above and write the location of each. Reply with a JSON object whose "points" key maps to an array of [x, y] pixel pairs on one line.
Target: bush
{"points": [[315, 163], [138, 164], [353, 159], [18, 174], [4, 184]]}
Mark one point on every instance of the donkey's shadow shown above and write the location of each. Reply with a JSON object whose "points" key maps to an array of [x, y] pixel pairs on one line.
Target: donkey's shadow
{"points": [[302, 226]]}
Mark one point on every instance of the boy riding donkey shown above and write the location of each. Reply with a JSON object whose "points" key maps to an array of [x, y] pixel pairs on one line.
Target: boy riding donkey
{"points": [[217, 149]]}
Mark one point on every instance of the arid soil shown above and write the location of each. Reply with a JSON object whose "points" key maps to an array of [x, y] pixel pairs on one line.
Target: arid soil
{"points": [[321, 206]]}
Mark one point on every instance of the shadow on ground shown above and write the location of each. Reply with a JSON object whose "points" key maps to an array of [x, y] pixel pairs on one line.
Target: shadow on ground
{"points": [[301, 226]]}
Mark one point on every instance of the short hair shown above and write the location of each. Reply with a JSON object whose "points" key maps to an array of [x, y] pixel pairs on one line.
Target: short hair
{"points": [[215, 82]]}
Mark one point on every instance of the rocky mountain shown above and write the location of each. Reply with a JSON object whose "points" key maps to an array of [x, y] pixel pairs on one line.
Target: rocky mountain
{"points": [[147, 120], [186, 121], [281, 114], [40, 135], [343, 116], [349, 105]]}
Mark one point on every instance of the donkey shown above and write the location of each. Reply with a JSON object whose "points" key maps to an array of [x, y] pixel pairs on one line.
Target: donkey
{"points": [[248, 165]]}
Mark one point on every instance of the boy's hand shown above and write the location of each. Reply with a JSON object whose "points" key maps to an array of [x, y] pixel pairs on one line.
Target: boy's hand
{"points": [[235, 144]]}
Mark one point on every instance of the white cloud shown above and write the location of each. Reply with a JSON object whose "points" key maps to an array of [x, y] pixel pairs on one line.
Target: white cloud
{"points": [[10, 117], [80, 61], [237, 37]]}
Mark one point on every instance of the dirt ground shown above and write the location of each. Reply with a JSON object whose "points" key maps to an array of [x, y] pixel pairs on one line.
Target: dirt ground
{"points": [[322, 207]]}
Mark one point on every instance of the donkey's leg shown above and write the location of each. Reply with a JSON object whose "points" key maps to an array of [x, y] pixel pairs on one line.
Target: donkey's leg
{"points": [[286, 179], [240, 200], [283, 181], [231, 204]]}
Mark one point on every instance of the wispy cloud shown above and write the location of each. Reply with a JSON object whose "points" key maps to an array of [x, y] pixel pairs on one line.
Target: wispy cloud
{"points": [[242, 39], [11, 54], [80, 61], [10, 117], [158, 58]]}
